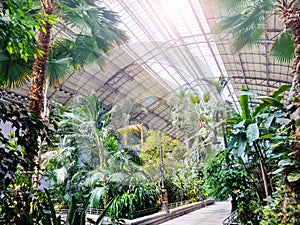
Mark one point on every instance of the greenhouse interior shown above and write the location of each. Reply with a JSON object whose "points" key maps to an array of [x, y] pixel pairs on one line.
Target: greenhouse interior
{"points": [[150, 112]]}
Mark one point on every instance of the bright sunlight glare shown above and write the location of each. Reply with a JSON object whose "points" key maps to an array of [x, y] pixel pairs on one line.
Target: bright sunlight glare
{"points": [[173, 7]]}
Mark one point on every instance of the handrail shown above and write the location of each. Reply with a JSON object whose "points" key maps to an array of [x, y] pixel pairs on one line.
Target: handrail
{"points": [[231, 219], [96, 211], [177, 204]]}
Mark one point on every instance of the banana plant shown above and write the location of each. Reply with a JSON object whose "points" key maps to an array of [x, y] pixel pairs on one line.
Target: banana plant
{"points": [[250, 131]]}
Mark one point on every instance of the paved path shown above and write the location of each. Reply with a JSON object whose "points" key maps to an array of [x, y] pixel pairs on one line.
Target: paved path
{"points": [[210, 215]]}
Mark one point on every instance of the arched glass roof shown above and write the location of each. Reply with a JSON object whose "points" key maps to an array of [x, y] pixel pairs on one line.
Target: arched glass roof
{"points": [[171, 46]]}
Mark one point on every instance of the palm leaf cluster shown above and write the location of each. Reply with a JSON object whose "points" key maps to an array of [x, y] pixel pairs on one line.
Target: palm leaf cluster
{"points": [[246, 20], [89, 158], [94, 32], [124, 118]]}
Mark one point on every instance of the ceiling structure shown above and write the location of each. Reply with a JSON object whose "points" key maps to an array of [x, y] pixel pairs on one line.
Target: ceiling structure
{"points": [[171, 46]]}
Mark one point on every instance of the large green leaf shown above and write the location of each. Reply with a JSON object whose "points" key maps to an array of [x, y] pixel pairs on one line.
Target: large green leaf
{"points": [[269, 120], [260, 109], [283, 121], [294, 176], [244, 103], [101, 216], [280, 90], [241, 147], [97, 194], [286, 162], [72, 211], [55, 220], [278, 171], [272, 101], [252, 132]]}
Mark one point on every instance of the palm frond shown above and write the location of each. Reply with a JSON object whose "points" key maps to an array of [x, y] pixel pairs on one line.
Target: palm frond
{"points": [[94, 20], [284, 46], [232, 6], [97, 194], [228, 23], [247, 26], [132, 128], [119, 177], [57, 69], [14, 70], [94, 177], [246, 38]]}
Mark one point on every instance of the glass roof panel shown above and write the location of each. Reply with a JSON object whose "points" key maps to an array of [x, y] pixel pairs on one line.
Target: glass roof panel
{"points": [[170, 46]]}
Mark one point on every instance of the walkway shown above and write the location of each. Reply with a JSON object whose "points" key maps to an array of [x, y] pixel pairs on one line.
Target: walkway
{"points": [[210, 215]]}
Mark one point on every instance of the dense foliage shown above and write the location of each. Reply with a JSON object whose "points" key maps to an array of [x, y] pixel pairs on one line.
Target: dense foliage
{"points": [[257, 164], [93, 166], [19, 202]]}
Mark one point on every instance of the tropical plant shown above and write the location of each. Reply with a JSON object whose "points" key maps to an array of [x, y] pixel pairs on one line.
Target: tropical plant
{"points": [[195, 116], [86, 123], [19, 202], [83, 127], [258, 154], [273, 213], [124, 119], [124, 179], [98, 32], [136, 198], [226, 178], [247, 19], [76, 170], [172, 154]]}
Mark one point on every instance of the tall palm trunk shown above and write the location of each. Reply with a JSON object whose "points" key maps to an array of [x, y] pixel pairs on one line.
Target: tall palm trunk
{"points": [[39, 66], [291, 19], [39, 74]]}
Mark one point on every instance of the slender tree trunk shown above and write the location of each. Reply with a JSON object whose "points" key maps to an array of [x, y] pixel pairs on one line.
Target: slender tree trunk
{"points": [[264, 177], [39, 66], [142, 134], [39, 73], [263, 169]]}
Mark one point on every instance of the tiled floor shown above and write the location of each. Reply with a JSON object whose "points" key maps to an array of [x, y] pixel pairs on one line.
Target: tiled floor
{"points": [[210, 215]]}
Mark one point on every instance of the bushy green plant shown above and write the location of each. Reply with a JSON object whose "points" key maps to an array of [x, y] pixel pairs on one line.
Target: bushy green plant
{"points": [[282, 208], [20, 203], [257, 155], [127, 204]]}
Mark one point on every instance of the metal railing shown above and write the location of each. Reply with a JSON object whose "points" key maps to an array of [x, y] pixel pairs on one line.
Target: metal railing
{"points": [[177, 204], [231, 219], [138, 213]]}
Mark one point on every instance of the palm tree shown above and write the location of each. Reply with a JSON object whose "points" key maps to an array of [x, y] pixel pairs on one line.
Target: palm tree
{"points": [[19, 62], [246, 19], [193, 115], [84, 125], [124, 119], [87, 123], [98, 32]]}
